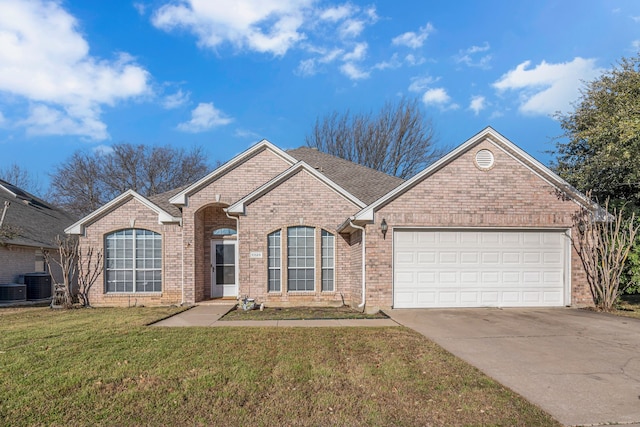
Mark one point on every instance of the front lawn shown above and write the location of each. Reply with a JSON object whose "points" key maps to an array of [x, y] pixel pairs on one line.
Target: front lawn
{"points": [[105, 367]]}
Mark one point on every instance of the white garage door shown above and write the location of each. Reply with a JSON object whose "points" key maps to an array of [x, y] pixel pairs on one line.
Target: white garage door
{"points": [[465, 268]]}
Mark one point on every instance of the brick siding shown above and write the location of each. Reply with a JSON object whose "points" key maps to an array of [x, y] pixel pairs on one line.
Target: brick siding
{"points": [[461, 195]]}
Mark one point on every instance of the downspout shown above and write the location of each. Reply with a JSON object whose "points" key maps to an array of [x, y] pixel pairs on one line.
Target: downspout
{"points": [[182, 264], [364, 261], [237, 248]]}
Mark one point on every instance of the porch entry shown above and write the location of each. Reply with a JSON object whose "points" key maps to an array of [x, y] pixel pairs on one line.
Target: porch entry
{"points": [[223, 269]]}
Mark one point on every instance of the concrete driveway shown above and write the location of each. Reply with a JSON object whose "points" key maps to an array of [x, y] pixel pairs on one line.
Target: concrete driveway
{"points": [[581, 367]]}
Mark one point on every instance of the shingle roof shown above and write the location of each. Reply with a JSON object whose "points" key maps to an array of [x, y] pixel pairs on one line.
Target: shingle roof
{"points": [[162, 201], [33, 222], [365, 183]]}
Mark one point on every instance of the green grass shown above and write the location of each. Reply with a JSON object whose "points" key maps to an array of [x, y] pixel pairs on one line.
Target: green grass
{"points": [[105, 367], [628, 306], [300, 313]]}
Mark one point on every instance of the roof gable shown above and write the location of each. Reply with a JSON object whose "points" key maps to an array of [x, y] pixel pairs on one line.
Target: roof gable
{"points": [[181, 198], [163, 216], [238, 208], [502, 143]]}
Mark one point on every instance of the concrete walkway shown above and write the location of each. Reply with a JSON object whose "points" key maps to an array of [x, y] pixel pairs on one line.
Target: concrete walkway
{"points": [[208, 315], [580, 366]]}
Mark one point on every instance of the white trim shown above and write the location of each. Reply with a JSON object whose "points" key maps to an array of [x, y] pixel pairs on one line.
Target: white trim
{"points": [[239, 206], [181, 199], [492, 136], [163, 216]]}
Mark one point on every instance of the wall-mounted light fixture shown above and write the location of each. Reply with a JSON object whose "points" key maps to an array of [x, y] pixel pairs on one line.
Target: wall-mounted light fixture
{"points": [[384, 227]]}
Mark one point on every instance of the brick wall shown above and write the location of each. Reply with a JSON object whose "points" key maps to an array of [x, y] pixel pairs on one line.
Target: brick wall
{"points": [[134, 212], [460, 195], [199, 219], [300, 200]]}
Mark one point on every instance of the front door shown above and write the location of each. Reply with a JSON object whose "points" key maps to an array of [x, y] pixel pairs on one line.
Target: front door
{"points": [[223, 268]]}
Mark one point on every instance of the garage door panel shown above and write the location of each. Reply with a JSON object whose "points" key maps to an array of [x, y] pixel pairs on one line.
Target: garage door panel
{"points": [[478, 268]]}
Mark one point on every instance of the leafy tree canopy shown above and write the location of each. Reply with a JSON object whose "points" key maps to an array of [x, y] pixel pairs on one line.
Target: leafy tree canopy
{"points": [[602, 148]]}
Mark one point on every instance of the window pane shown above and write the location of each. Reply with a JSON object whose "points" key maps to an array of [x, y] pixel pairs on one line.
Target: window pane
{"points": [[133, 261], [301, 258], [327, 261], [273, 262]]}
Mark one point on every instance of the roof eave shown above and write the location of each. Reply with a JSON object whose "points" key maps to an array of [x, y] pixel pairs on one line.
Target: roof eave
{"points": [[163, 216]]}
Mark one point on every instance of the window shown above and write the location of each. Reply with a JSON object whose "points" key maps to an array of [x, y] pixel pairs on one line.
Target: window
{"points": [[327, 261], [41, 265], [300, 258], [274, 249], [133, 261], [224, 232]]}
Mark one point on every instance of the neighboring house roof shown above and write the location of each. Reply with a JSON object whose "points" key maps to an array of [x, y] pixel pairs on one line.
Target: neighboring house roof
{"points": [[163, 216], [239, 206], [33, 222], [365, 183], [487, 134]]}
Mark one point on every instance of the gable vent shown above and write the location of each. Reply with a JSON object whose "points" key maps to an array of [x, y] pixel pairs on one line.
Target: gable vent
{"points": [[484, 159]]}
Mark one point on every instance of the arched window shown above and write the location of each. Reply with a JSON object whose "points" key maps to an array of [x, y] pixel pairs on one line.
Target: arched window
{"points": [[225, 231], [133, 261]]}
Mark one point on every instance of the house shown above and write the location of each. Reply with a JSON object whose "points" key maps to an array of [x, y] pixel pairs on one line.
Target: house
{"points": [[29, 225], [486, 225]]}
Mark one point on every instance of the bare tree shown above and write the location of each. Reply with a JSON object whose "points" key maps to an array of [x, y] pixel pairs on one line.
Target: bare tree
{"points": [[77, 184], [21, 177], [66, 258], [399, 140], [86, 181], [89, 269], [603, 243]]}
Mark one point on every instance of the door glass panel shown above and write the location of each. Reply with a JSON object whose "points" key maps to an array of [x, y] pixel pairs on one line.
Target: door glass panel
{"points": [[225, 254], [226, 275]]}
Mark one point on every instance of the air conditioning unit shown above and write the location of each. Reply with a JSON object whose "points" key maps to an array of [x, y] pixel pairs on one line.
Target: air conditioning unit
{"points": [[13, 292], [38, 286]]}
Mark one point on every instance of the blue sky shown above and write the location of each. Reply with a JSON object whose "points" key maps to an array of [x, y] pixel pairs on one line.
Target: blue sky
{"points": [[224, 74]]}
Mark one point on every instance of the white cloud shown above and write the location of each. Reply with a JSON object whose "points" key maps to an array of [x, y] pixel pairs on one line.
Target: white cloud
{"points": [[2, 119], [412, 39], [420, 84], [338, 13], [477, 104], [267, 26], [412, 60], [635, 45], [469, 58], [390, 64], [103, 149], [246, 134], [351, 28], [45, 60], [354, 72], [176, 100], [440, 98], [141, 8], [357, 54], [636, 18], [547, 88], [204, 117]]}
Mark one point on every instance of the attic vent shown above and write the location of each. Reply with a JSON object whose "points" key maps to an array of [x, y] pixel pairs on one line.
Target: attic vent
{"points": [[484, 159]]}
